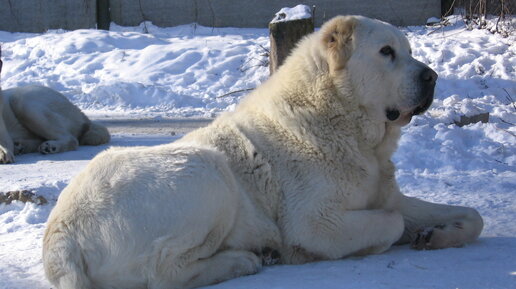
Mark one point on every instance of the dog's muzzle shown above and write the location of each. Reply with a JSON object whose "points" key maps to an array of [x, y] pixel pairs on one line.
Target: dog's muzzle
{"points": [[427, 78]]}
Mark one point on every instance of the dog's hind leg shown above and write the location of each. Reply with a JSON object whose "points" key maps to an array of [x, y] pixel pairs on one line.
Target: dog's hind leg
{"points": [[6, 142], [51, 127], [6, 145], [221, 267], [176, 266], [198, 272]]}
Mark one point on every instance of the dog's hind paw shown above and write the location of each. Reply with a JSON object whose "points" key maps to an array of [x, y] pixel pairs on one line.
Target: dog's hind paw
{"points": [[245, 263], [18, 148], [6, 157], [48, 147], [270, 256]]}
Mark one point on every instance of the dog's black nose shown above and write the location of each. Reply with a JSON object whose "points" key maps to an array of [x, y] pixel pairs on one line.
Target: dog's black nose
{"points": [[428, 76]]}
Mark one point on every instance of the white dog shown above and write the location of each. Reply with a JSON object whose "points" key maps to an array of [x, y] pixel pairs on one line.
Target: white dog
{"points": [[301, 168], [37, 118]]}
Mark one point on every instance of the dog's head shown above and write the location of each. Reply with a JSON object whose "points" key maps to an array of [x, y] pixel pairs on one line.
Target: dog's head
{"points": [[376, 57]]}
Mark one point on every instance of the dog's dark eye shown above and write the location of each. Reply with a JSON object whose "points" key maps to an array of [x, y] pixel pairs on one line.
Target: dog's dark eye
{"points": [[387, 51]]}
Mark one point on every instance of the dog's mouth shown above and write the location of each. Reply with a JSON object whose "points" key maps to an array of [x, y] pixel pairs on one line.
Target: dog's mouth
{"points": [[403, 116], [423, 106]]}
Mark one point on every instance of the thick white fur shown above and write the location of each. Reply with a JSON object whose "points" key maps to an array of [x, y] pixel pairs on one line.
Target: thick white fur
{"points": [[301, 166], [37, 118]]}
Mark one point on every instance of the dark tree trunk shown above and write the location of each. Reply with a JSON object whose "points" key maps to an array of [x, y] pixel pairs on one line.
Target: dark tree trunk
{"points": [[103, 15]]}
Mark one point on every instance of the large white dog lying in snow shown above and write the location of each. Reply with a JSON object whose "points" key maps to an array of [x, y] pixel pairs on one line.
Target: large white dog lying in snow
{"points": [[301, 168]]}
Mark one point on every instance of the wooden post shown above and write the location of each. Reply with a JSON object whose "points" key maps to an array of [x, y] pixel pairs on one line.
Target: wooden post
{"points": [[284, 34]]}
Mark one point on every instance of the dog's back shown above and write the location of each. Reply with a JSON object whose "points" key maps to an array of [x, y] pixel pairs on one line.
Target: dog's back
{"points": [[45, 104]]}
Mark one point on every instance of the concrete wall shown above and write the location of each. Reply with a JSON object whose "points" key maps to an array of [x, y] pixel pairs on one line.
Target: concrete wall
{"points": [[41, 15], [258, 13]]}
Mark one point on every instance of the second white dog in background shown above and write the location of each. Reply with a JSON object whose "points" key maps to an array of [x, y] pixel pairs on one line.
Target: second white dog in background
{"points": [[37, 118]]}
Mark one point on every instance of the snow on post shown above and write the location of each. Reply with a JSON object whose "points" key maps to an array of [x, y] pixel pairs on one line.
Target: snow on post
{"points": [[285, 30]]}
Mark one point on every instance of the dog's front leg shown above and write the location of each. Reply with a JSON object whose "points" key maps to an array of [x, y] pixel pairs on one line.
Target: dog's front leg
{"points": [[6, 142], [435, 226], [330, 233]]}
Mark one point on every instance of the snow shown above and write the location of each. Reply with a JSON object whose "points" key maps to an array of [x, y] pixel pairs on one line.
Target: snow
{"points": [[433, 20], [180, 71], [188, 71], [295, 13]]}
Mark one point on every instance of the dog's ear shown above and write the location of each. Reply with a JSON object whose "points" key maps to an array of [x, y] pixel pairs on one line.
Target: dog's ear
{"points": [[337, 38]]}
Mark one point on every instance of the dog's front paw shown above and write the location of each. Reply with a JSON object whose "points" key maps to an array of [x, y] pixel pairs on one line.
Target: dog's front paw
{"points": [[6, 157], [48, 147], [438, 237], [423, 238]]}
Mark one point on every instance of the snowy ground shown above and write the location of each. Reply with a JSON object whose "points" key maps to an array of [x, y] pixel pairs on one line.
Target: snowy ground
{"points": [[188, 71]]}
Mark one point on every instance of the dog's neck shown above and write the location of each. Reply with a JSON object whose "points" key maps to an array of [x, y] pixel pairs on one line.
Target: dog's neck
{"points": [[379, 133], [389, 143]]}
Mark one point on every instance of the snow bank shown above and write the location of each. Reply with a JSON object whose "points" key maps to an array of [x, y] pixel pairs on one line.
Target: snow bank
{"points": [[180, 71]]}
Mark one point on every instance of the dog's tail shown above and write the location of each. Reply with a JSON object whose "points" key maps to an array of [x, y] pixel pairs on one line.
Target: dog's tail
{"points": [[63, 261], [96, 134]]}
